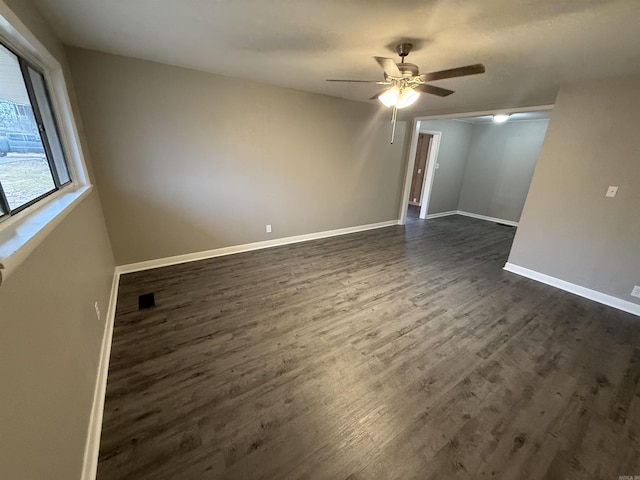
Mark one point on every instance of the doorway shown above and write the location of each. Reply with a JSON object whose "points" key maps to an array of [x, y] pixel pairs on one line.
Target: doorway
{"points": [[465, 192], [424, 153], [419, 169]]}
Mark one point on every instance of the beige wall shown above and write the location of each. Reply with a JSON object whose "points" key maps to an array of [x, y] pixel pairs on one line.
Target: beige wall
{"points": [[188, 161], [569, 229], [49, 348], [51, 339]]}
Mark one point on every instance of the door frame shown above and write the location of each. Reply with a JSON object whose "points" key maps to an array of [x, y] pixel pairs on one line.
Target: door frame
{"points": [[423, 174], [413, 146], [429, 170]]}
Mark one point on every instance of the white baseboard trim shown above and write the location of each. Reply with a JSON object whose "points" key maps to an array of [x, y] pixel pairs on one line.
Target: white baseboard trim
{"points": [[441, 214], [594, 295], [489, 219], [92, 447], [247, 247], [473, 215]]}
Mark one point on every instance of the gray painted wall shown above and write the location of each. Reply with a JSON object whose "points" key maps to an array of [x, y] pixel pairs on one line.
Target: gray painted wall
{"points": [[569, 229], [50, 341], [485, 168], [452, 158], [188, 161], [502, 158]]}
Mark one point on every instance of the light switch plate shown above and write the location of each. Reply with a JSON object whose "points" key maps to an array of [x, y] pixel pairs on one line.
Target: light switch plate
{"points": [[636, 291], [611, 191]]}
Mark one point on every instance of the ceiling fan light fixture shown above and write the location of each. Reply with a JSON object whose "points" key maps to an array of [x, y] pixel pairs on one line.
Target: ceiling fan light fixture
{"points": [[395, 97], [390, 97], [501, 117], [404, 83], [408, 97]]}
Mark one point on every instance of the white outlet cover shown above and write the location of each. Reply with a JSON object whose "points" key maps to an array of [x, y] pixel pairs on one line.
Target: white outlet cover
{"points": [[636, 291], [611, 191]]}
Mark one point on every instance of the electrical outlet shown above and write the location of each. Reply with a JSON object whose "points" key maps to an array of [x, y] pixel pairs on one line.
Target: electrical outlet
{"points": [[268, 228], [97, 309], [636, 291], [612, 191]]}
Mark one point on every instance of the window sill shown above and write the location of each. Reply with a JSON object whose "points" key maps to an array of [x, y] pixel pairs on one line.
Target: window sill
{"points": [[20, 235]]}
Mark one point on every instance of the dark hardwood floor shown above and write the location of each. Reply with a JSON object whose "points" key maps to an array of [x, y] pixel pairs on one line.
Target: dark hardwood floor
{"points": [[398, 353]]}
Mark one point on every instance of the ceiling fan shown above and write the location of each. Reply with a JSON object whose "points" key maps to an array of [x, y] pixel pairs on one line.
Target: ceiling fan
{"points": [[403, 81]]}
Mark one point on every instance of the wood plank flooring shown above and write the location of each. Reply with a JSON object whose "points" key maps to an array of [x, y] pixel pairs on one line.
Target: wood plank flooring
{"points": [[399, 353]]}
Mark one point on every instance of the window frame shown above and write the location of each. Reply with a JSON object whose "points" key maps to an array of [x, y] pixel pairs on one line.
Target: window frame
{"points": [[24, 64], [22, 232]]}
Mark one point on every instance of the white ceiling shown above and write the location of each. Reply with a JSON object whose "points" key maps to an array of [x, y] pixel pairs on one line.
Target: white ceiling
{"points": [[529, 47]]}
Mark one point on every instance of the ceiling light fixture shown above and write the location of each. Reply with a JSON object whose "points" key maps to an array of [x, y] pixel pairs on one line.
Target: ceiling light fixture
{"points": [[390, 97], [407, 97], [399, 98], [501, 117], [403, 82]]}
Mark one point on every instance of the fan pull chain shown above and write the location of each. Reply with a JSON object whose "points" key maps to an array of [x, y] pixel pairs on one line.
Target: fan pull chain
{"points": [[394, 115]]}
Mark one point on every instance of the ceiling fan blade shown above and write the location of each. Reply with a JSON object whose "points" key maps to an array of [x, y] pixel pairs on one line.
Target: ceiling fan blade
{"points": [[354, 81], [389, 66], [453, 72], [441, 92], [379, 93]]}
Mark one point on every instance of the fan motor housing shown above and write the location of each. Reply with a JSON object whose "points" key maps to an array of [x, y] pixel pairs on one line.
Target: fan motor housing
{"points": [[408, 69]]}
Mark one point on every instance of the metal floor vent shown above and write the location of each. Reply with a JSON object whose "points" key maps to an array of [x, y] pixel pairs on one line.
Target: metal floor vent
{"points": [[147, 300]]}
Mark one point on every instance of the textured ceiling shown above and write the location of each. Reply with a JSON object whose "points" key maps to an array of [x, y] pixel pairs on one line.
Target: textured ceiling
{"points": [[529, 47]]}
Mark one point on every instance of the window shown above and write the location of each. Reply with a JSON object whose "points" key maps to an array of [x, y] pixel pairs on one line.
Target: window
{"points": [[32, 161], [40, 151]]}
